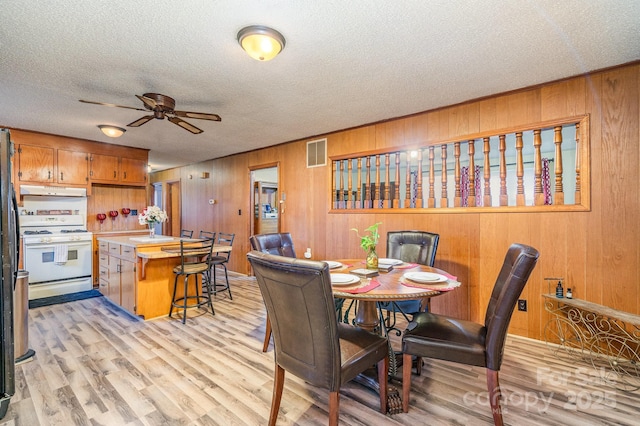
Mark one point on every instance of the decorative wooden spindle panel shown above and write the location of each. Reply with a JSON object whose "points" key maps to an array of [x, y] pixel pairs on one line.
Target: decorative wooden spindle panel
{"points": [[538, 193], [578, 195], [368, 198], [398, 181], [432, 178], [558, 197], [396, 194], [419, 200], [444, 202], [408, 194], [376, 196], [471, 198], [520, 201], [486, 199], [504, 197], [457, 200]]}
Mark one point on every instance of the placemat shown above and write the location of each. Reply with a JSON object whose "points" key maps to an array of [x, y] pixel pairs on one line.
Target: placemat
{"points": [[362, 288]]}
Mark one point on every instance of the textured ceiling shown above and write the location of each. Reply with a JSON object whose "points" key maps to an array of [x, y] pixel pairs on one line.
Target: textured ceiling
{"points": [[345, 63]]}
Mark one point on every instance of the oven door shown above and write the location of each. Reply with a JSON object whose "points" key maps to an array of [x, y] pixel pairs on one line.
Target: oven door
{"points": [[39, 261]]}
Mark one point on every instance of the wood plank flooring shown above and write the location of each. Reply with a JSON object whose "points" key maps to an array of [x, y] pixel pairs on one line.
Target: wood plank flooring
{"points": [[97, 365]]}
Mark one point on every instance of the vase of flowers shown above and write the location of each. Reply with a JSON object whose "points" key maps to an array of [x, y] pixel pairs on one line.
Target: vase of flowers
{"points": [[368, 243], [151, 216]]}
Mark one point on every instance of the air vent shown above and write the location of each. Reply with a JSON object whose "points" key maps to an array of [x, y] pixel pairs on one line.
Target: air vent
{"points": [[317, 153]]}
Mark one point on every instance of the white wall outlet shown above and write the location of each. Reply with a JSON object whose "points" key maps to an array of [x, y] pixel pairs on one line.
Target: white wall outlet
{"points": [[307, 254]]}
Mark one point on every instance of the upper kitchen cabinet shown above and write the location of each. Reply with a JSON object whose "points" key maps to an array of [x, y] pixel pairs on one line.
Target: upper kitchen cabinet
{"points": [[61, 161], [134, 171], [104, 168], [118, 170], [37, 164], [73, 167]]}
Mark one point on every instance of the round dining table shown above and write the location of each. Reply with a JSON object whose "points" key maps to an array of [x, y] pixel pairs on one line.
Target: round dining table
{"points": [[393, 288]]}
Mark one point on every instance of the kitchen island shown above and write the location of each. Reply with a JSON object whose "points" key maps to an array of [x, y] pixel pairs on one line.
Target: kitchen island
{"points": [[136, 274]]}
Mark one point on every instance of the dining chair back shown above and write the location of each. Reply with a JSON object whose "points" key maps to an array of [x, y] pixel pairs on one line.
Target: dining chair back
{"points": [[207, 234], [279, 243], [309, 341], [187, 268], [186, 233], [466, 342], [220, 259], [411, 247]]}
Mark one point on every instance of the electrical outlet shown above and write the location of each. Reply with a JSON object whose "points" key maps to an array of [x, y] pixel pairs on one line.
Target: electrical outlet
{"points": [[522, 305]]}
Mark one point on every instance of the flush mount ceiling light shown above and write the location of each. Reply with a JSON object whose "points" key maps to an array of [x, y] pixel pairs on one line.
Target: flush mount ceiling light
{"points": [[112, 131], [260, 42]]}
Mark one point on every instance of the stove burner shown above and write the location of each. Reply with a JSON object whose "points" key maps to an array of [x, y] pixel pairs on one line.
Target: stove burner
{"points": [[67, 231], [36, 232]]}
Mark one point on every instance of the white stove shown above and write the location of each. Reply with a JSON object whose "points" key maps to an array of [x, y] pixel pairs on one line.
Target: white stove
{"points": [[57, 254]]}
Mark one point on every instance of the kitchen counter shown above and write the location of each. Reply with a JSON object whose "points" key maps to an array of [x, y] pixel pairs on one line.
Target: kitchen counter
{"points": [[137, 274]]}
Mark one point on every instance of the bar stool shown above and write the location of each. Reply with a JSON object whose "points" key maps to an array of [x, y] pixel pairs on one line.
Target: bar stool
{"points": [[186, 233], [222, 260], [186, 269]]}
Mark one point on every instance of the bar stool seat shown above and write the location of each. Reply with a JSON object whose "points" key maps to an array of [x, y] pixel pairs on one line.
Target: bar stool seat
{"points": [[186, 269]]}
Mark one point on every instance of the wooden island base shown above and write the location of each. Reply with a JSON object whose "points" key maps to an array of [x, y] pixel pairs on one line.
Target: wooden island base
{"points": [[138, 276]]}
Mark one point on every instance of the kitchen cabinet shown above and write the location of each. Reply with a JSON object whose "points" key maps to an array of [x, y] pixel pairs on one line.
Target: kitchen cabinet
{"points": [[133, 171], [73, 167], [111, 169], [117, 265], [104, 168], [35, 163], [40, 164]]}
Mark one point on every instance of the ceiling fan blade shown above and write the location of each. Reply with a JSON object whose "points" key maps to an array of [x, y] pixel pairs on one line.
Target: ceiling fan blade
{"points": [[148, 102], [140, 121], [193, 129], [198, 115], [111, 105]]}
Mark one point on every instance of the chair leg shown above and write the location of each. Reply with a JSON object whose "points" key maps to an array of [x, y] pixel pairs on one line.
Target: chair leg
{"points": [[406, 381], [186, 291], [226, 277], [493, 385], [173, 298], [267, 335], [383, 382], [278, 385], [418, 365], [334, 408], [207, 283]]}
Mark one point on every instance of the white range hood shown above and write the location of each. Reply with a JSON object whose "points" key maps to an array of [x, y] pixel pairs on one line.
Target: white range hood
{"points": [[52, 191]]}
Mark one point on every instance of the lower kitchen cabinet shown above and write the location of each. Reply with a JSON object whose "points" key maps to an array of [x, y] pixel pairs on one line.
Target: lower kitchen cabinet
{"points": [[118, 274]]}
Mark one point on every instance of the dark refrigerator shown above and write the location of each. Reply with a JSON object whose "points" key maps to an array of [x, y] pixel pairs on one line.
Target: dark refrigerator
{"points": [[9, 240]]}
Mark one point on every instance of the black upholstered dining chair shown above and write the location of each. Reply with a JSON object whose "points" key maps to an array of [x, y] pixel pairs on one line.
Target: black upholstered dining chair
{"points": [[279, 243], [437, 336], [309, 342], [411, 247]]}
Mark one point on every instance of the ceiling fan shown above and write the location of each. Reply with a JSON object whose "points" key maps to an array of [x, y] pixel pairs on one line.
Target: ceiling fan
{"points": [[163, 106]]}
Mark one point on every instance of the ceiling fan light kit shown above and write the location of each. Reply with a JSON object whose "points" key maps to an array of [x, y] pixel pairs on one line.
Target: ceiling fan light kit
{"points": [[162, 106], [260, 42], [111, 131]]}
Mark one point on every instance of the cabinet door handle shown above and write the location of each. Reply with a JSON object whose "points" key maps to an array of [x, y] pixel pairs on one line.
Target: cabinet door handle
{"points": [[125, 175], [49, 175], [61, 175], [115, 174], [118, 269]]}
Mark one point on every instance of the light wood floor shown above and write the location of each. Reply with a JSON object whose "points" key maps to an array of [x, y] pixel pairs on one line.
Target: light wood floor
{"points": [[96, 365]]}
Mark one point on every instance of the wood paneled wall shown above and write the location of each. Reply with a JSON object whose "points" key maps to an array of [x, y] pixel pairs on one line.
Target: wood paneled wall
{"points": [[597, 252]]}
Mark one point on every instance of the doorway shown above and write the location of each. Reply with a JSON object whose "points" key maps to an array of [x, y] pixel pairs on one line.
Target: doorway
{"points": [[265, 199]]}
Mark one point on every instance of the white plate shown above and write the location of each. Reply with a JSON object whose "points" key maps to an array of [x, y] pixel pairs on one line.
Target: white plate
{"points": [[392, 262], [425, 277], [343, 279], [332, 264]]}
